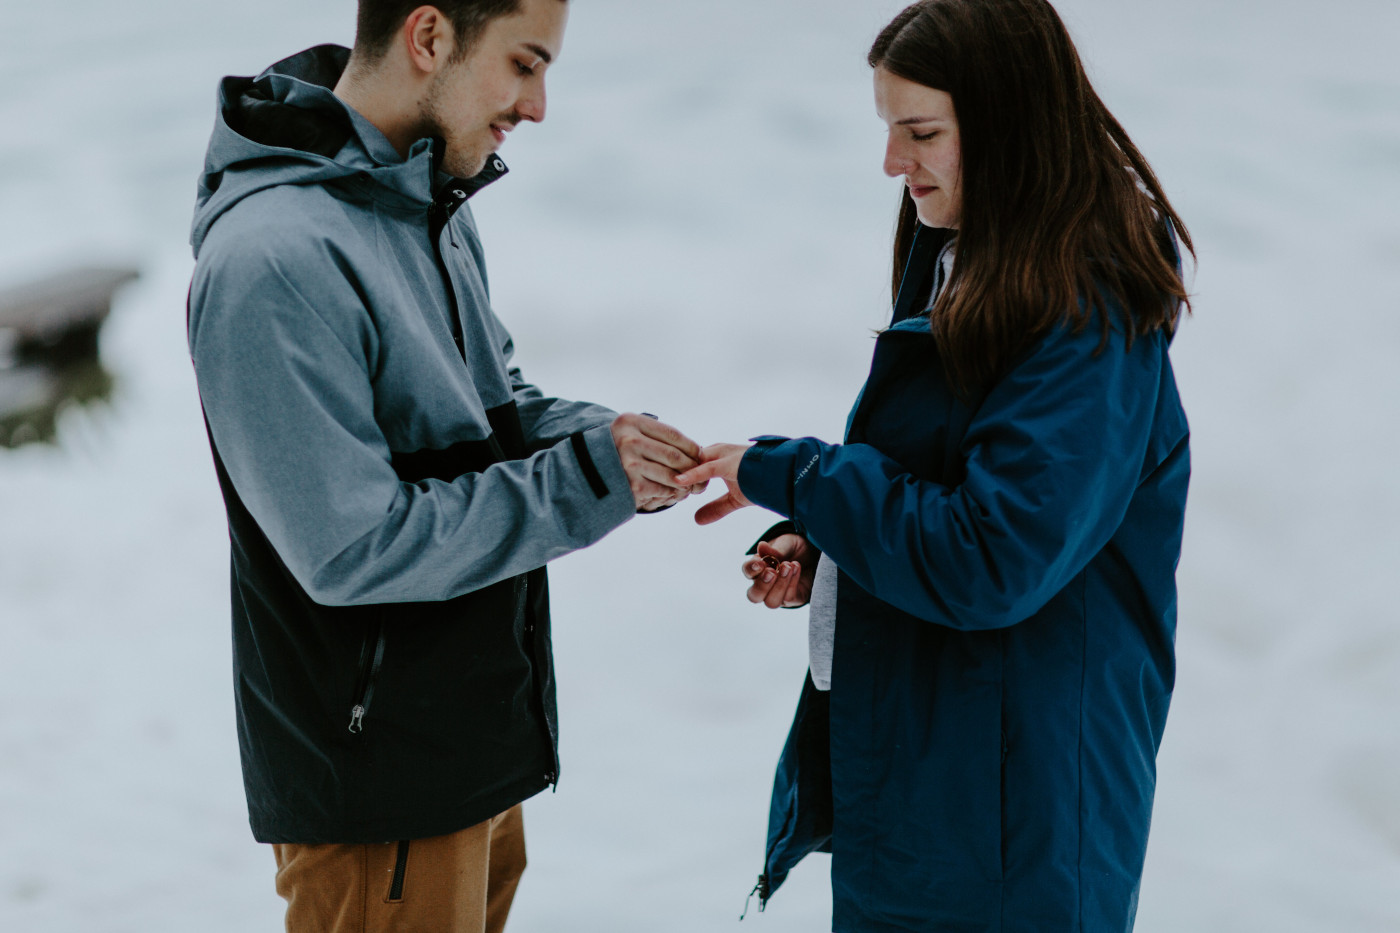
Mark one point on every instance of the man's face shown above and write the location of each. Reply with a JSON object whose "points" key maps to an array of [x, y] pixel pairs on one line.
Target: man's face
{"points": [[473, 104]]}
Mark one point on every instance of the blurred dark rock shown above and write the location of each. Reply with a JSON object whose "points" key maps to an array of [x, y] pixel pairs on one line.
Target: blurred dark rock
{"points": [[48, 350], [57, 319]]}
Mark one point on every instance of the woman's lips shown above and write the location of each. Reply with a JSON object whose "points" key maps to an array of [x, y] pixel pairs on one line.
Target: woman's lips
{"points": [[920, 191]]}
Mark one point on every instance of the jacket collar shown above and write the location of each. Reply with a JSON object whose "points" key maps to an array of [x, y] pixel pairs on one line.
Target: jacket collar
{"points": [[918, 269]]}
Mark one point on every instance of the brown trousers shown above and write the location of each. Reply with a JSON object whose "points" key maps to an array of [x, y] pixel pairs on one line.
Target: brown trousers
{"points": [[459, 883]]}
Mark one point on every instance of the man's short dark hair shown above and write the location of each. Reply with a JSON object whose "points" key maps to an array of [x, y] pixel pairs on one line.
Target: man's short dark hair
{"points": [[380, 20]]}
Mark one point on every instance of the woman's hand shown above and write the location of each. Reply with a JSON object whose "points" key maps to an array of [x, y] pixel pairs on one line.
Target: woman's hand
{"points": [[782, 572], [719, 461]]}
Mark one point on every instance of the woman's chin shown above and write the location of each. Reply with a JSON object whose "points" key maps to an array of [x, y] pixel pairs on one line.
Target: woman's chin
{"points": [[936, 218]]}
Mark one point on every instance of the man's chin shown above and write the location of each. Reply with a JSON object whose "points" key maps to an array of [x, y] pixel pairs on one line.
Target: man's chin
{"points": [[464, 164]]}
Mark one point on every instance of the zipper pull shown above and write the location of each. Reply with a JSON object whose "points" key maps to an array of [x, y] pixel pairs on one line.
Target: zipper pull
{"points": [[357, 716], [460, 197], [761, 889]]}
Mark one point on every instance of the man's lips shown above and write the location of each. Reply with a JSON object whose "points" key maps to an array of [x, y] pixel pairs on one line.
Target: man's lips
{"points": [[499, 132]]}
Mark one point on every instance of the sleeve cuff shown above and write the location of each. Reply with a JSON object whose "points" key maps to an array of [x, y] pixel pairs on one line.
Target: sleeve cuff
{"points": [[602, 470], [767, 471], [589, 467]]}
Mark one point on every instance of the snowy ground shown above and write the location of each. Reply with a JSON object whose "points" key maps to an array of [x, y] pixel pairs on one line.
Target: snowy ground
{"points": [[700, 229]]}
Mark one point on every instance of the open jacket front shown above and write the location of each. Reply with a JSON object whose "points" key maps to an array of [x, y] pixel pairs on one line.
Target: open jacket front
{"points": [[394, 487], [1006, 612]]}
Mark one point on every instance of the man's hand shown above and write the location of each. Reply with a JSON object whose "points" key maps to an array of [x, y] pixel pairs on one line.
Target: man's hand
{"points": [[721, 461], [783, 572], [652, 453]]}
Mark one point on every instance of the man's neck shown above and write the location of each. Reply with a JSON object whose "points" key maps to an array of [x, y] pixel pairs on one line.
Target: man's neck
{"points": [[381, 100]]}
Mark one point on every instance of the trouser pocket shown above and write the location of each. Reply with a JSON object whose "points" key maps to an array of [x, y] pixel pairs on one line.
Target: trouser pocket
{"points": [[396, 881], [463, 882]]}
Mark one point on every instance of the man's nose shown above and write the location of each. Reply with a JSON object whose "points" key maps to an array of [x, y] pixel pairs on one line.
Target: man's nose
{"points": [[532, 102]]}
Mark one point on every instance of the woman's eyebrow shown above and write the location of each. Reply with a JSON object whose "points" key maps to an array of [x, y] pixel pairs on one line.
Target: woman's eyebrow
{"points": [[910, 121]]}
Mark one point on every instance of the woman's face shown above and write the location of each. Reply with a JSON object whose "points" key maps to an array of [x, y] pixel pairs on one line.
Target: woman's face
{"points": [[923, 146]]}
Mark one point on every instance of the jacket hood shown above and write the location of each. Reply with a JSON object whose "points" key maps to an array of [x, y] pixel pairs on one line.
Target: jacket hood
{"points": [[286, 127]]}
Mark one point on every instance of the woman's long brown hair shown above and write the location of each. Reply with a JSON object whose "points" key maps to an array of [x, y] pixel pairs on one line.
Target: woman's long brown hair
{"points": [[1062, 218]]}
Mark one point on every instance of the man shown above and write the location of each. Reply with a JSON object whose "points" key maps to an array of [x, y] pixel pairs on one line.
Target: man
{"points": [[394, 487]]}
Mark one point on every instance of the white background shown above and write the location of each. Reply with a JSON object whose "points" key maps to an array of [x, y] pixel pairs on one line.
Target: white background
{"points": [[701, 229]]}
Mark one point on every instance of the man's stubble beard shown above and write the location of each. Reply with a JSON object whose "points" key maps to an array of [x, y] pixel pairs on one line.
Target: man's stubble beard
{"points": [[456, 161]]}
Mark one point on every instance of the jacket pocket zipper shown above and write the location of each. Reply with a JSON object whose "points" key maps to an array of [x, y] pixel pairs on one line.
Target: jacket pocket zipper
{"points": [[371, 659], [527, 629]]}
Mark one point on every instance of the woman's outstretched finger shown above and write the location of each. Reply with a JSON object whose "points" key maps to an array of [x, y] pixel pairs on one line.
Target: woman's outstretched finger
{"points": [[699, 475], [713, 511], [660, 474]]}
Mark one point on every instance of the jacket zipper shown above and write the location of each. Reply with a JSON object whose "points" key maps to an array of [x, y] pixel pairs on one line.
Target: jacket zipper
{"points": [[440, 219], [522, 589], [371, 660], [764, 892]]}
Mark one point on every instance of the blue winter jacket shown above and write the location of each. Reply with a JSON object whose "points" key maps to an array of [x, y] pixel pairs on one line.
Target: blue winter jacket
{"points": [[1006, 610]]}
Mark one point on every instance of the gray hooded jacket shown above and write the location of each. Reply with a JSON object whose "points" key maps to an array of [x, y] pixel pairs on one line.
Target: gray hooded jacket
{"points": [[322, 335], [394, 487]]}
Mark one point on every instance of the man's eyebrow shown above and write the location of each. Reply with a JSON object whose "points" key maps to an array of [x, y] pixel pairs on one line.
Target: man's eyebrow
{"points": [[540, 51]]}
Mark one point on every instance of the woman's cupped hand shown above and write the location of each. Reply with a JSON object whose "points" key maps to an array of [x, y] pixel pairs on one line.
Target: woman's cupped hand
{"points": [[782, 571]]}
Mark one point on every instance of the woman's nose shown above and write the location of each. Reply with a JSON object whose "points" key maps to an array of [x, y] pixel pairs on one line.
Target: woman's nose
{"points": [[896, 162]]}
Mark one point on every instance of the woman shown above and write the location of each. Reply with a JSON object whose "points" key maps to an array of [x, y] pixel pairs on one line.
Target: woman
{"points": [[993, 549]]}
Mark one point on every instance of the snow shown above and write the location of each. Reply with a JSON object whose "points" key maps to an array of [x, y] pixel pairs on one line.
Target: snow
{"points": [[700, 229]]}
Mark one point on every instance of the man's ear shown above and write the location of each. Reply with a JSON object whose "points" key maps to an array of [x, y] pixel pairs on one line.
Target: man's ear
{"points": [[428, 38]]}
